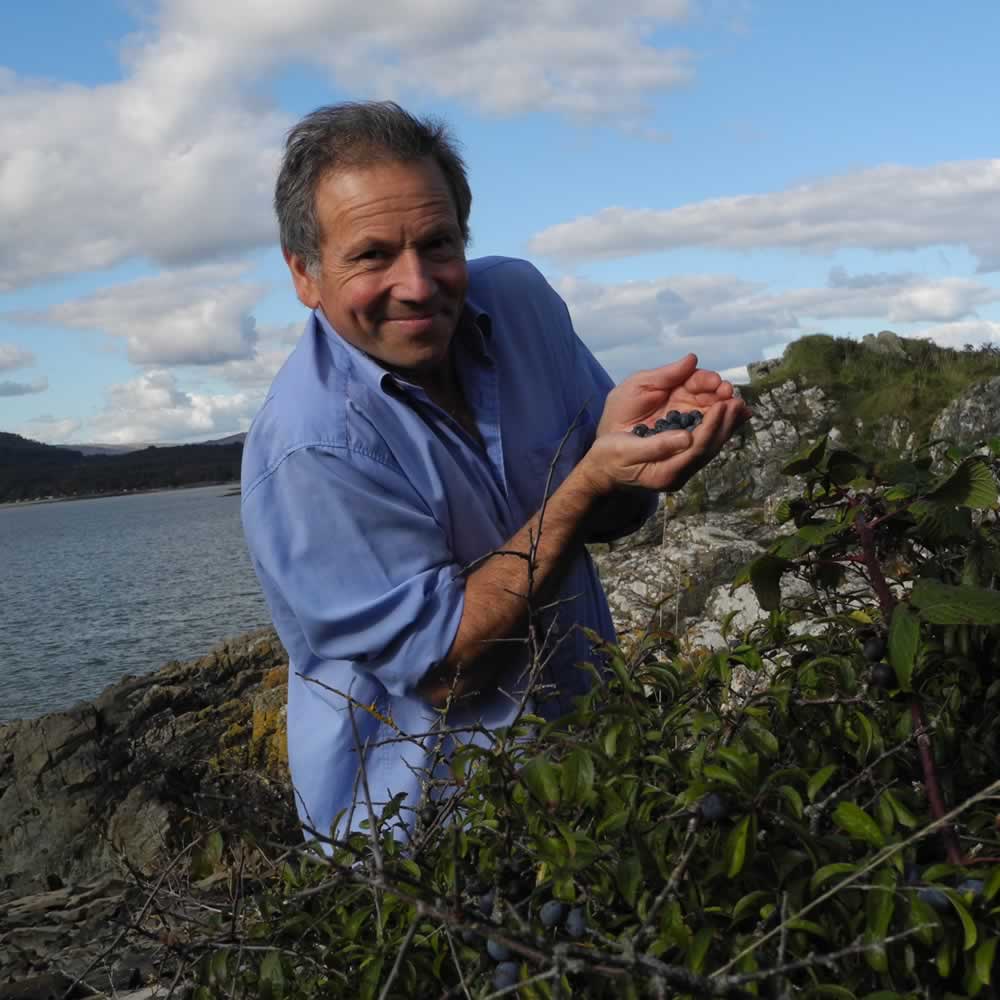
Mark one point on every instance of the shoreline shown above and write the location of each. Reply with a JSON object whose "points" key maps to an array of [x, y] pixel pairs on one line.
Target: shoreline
{"points": [[4, 504]]}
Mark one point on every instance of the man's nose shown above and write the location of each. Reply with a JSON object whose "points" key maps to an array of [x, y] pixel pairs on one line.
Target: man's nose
{"points": [[412, 277]]}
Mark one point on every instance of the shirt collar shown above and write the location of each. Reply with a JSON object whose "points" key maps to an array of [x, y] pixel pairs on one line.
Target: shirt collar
{"points": [[474, 326]]}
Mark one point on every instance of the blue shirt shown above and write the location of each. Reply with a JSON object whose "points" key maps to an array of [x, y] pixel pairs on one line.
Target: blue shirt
{"points": [[362, 503]]}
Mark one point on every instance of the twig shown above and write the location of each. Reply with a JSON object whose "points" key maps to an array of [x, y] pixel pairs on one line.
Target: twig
{"points": [[397, 965]]}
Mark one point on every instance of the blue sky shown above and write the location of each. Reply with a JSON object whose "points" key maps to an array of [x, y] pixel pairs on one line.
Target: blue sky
{"points": [[699, 175]]}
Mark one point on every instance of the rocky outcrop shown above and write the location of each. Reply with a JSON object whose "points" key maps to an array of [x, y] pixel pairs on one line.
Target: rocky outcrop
{"points": [[110, 785], [972, 416]]}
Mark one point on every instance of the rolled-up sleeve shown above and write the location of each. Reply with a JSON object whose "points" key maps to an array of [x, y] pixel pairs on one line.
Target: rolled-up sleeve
{"points": [[356, 555]]}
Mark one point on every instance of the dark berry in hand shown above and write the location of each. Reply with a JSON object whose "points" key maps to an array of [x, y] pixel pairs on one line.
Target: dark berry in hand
{"points": [[576, 922], [661, 425], [674, 415], [698, 417], [640, 430], [505, 975], [713, 807], [687, 421], [552, 913], [874, 649], [884, 677], [497, 951]]}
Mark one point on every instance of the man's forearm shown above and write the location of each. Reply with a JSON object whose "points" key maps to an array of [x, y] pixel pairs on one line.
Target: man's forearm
{"points": [[496, 592]]}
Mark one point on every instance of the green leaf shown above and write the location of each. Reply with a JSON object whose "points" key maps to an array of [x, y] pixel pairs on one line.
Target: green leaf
{"points": [[971, 485], [794, 800], [713, 772], [818, 780], [856, 823], [827, 872], [541, 778], [628, 877], [945, 604], [904, 640], [881, 902], [577, 777], [613, 823], [818, 532], [806, 459], [831, 990], [765, 578], [992, 886], [272, 976], [843, 466], [968, 924], [903, 815], [736, 847], [984, 959]]}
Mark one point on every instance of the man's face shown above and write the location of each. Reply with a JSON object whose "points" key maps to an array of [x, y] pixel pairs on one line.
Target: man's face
{"points": [[392, 279]]}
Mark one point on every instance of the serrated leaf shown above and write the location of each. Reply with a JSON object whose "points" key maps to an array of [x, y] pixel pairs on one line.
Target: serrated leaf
{"points": [[856, 823], [946, 604], [765, 578], [806, 459], [904, 640], [818, 780], [971, 485], [783, 512], [843, 466], [736, 847]]}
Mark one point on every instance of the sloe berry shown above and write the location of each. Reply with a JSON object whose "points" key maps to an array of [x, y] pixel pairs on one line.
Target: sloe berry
{"points": [[688, 420], [505, 975], [884, 677], [973, 885], [498, 951], [713, 807], [674, 416], [661, 425], [934, 898], [486, 902], [874, 649], [640, 430], [576, 922], [552, 913]]}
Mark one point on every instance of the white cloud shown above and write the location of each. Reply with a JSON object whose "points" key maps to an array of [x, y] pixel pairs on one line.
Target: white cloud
{"points": [[9, 388], [49, 429], [882, 208], [13, 357], [728, 321], [176, 162], [153, 408], [196, 316], [958, 335]]}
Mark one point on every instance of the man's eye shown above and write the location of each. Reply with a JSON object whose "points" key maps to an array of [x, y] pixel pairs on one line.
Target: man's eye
{"points": [[371, 254]]}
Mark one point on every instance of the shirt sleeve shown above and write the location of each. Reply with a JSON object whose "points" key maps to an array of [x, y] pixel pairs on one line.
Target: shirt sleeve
{"points": [[355, 554], [592, 385]]}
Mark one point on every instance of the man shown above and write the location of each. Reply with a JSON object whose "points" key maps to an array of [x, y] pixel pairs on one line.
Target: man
{"points": [[394, 480]]}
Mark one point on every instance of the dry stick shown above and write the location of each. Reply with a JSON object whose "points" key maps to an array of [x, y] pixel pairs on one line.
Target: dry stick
{"points": [[398, 964], [887, 852], [949, 837], [458, 964], [647, 930], [142, 913]]}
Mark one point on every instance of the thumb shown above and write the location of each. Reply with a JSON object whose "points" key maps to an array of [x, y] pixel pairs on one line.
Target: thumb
{"points": [[668, 376]]}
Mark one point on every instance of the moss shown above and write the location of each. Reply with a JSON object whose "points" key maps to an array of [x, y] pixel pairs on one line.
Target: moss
{"points": [[276, 677]]}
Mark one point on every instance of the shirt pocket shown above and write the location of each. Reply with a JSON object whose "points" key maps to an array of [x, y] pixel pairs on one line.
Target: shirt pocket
{"points": [[548, 465]]}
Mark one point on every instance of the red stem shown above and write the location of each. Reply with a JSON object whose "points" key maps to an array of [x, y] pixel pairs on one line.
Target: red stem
{"points": [[949, 837]]}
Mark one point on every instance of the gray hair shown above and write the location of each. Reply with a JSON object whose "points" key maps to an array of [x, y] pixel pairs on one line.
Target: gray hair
{"points": [[348, 136]]}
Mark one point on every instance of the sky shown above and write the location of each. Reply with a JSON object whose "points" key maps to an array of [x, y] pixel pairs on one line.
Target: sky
{"points": [[716, 176]]}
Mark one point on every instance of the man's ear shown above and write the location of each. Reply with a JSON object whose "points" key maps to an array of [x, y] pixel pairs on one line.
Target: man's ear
{"points": [[306, 286]]}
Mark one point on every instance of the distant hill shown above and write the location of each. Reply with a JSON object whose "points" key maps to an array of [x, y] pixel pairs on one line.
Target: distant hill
{"points": [[122, 449], [30, 470]]}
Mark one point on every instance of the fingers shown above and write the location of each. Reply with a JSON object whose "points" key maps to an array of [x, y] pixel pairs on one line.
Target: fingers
{"points": [[669, 376]]}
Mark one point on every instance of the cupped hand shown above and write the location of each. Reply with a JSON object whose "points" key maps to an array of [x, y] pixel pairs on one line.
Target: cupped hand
{"points": [[665, 461], [647, 395]]}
